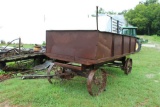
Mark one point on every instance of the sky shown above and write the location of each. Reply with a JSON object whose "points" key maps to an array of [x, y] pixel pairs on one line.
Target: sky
{"points": [[29, 19]]}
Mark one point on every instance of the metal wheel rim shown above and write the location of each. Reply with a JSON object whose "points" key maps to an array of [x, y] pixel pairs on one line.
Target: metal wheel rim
{"points": [[96, 85], [128, 66]]}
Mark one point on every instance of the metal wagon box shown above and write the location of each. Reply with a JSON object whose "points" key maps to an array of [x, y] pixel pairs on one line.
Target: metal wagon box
{"points": [[88, 46]]}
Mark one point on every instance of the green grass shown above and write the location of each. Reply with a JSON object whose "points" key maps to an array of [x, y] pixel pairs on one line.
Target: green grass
{"points": [[28, 46], [140, 88], [153, 38], [16, 45]]}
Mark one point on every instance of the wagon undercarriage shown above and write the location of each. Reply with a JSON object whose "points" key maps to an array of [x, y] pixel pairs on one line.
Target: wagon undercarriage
{"points": [[96, 74]]}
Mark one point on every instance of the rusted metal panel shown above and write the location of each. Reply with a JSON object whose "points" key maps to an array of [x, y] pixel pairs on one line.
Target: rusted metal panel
{"points": [[133, 44], [72, 43], [126, 44], [104, 46], [88, 46], [117, 45]]}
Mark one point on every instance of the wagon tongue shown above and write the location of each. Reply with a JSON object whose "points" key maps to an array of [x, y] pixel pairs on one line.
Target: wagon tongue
{"points": [[36, 76]]}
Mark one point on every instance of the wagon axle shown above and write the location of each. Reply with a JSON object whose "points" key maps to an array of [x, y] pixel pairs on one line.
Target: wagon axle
{"points": [[96, 76]]}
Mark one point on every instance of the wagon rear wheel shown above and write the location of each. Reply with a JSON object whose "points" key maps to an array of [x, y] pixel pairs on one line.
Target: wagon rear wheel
{"points": [[128, 66], [96, 82]]}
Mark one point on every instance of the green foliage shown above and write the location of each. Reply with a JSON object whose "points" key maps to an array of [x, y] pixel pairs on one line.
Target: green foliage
{"points": [[145, 17], [148, 2], [123, 12], [152, 39], [158, 33], [44, 43], [31, 46], [3, 42], [102, 11], [2, 72], [111, 13]]}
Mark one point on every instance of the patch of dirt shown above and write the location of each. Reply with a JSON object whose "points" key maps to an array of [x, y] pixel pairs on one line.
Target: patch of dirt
{"points": [[149, 45], [152, 45], [140, 104], [158, 46], [6, 104], [156, 81], [150, 75], [4, 77]]}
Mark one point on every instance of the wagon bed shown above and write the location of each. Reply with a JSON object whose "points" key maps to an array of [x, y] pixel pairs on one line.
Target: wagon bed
{"points": [[88, 46]]}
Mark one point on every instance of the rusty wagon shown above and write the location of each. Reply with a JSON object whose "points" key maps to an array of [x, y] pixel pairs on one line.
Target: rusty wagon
{"points": [[83, 52]]}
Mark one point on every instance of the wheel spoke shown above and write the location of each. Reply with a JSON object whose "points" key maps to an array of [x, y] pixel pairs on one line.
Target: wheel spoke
{"points": [[128, 66], [96, 82]]}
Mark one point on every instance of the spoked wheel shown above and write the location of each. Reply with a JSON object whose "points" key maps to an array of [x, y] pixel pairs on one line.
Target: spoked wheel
{"points": [[96, 82], [128, 66], [59, 73]]}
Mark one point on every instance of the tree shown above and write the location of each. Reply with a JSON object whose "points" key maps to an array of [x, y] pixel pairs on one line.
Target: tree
{"points": [[148, 2], [136, 17], [101, 11], [111, 13], [123, 12], [145, 16]]}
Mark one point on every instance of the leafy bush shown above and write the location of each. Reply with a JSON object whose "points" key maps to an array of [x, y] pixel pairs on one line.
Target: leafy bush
{"points": [[44, 43], [3, 42], [158, 33], [2, 72]]}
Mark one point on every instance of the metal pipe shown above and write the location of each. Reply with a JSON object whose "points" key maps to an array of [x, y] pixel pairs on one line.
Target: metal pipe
{"points": [[111, 24], [19, 45], [68, 66], [117, 26], [97, 17]]}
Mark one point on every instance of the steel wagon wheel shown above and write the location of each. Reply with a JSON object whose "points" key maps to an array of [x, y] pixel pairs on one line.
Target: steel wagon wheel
{"points": [[96, 82], [128, 66]]}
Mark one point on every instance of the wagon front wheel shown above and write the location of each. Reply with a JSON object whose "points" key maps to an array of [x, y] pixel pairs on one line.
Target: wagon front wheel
{"points": [[128, 66], [96, 82]]}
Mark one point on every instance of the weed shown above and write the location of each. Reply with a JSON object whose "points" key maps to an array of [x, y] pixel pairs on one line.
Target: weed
{"points": [[2, 72]]}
